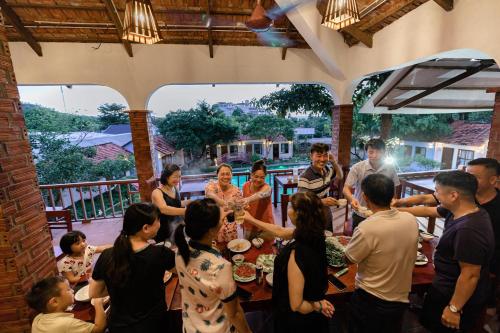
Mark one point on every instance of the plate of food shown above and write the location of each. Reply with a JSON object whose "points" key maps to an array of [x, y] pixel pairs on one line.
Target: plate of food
{"points": [[238, 245], [269, 279], [82, 295], [267, 262], [421, 259], [244, 272], [335, 252]]}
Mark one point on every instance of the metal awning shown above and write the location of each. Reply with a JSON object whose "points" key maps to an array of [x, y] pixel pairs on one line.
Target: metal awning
{"points": [[437, 86]]}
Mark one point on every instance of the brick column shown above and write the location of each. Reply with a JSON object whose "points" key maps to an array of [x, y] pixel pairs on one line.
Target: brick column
{"points": [[494, 140], [385, 126], [342, 133], [26, 252], [142, 138]]}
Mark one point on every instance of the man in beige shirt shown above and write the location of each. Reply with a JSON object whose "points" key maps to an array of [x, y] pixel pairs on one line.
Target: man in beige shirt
{"points": [[385, 248]]}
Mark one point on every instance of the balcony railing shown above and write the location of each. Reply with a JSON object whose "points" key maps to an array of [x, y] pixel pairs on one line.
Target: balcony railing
{"points": [[107, 199]]}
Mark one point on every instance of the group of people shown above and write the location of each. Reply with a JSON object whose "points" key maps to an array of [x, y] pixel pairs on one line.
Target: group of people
{"points": [[383, 245]]}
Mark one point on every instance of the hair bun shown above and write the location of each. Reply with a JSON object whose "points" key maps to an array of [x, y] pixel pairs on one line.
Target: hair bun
{"points": [[262, 162]]}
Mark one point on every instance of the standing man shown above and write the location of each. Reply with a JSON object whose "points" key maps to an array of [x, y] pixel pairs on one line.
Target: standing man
{"points": [[385, 248], [375, 148], [487, 172], [318, 177], [461, 285]]}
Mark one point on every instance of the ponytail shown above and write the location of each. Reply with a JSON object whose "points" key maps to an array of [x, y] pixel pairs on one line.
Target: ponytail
{"points": [[182, 245], [201, 216], [119, 267]]}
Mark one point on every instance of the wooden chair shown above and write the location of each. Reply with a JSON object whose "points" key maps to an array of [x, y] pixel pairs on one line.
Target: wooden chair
{"points": [[58, 218]]}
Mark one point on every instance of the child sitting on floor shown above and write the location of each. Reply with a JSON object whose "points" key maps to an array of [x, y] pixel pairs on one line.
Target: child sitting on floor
{"points": [[76, 266], [51, 297]]}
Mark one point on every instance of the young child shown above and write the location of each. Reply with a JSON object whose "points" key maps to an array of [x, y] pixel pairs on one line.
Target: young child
{"points": [[51, 297], [76, 266]]}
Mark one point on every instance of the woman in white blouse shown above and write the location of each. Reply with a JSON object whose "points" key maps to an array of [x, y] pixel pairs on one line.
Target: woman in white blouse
{"points": [[208, 291]]}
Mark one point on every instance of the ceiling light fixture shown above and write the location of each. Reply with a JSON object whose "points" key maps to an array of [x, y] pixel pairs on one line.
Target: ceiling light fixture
{"points": [[139, 23], [340, 14]]}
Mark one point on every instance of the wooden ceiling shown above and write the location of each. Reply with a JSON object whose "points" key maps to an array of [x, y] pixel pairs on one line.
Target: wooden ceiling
{"points": [[181, 21]]}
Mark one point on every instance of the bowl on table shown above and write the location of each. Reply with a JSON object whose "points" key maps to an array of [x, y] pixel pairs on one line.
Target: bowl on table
{"points": [[238, 259], [238, 245], [426, 236], [269, 279], [82, 295]]}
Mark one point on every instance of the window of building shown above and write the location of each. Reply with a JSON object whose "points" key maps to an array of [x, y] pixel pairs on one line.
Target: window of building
{"points": [[407, 150], [464, 156], [420, 151], [257, 148], [233, 150], [285, 148]]}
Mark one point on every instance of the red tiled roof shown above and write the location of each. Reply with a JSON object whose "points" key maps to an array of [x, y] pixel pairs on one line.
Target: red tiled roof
{"points": [[162, 146], [468, 134], [108, 151]]}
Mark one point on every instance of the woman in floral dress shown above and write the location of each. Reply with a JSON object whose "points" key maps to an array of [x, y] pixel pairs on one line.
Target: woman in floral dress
{"points": [[209, 298]]}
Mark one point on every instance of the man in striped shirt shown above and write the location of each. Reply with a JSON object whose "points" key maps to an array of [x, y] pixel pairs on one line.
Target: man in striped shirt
{"points": [[318, 177]]}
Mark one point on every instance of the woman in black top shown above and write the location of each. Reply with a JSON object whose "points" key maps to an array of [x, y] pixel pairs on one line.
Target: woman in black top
{"points": [[131, 273], [168, 199], [300, 270]]}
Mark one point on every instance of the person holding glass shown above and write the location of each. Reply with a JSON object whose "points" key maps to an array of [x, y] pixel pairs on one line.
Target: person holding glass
{"points": [[300, 270], [227, 196], [257, 199]]}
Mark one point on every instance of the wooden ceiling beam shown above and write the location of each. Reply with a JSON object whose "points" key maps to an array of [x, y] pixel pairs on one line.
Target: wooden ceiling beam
{"points": [[446, 4], [363, 37], [467, 73], [388, 9], [284, 49], [23, 31], [113, 15], [209, 29]]}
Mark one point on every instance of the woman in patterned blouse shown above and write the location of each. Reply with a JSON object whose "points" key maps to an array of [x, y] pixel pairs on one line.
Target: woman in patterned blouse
{"points": [[208, 291], [224, 194]]}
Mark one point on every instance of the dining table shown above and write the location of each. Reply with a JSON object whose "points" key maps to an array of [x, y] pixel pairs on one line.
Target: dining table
{"points": [[261, 294]]}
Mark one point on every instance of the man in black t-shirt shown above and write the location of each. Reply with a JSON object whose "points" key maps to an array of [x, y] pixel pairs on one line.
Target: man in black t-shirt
{"points": [[460, 287]]}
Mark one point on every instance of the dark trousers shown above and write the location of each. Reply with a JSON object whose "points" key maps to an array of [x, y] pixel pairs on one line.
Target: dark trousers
{"points": [[356, 220], [372, 314], [434, 304]]}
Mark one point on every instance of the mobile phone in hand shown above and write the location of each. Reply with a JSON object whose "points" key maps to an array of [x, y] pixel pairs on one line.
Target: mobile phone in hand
{"points": [[336, 282]]}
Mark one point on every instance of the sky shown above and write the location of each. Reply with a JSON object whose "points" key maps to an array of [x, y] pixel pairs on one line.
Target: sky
{"points": [[84, 100]]}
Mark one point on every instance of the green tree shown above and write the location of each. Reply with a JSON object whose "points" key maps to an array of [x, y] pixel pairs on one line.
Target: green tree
{"points": [[58, 161], [43, 119], [112, 114], [194, 129], [300, 98]]}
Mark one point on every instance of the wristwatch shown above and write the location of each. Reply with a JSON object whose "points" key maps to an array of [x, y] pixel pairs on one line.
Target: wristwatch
{"points": [[454, 309]]}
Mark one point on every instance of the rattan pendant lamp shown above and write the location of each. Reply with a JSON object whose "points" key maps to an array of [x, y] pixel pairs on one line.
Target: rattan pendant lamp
{"points": [[340, 14], [139, 23]]}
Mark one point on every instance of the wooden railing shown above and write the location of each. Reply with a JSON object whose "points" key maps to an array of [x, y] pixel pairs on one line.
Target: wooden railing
{"points": [[92, 200], [107, 199]]}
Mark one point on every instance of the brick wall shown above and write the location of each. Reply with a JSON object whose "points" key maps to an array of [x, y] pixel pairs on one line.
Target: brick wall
{"points": [[494, 141], [342, 133], [26, 253], [142, 138]]}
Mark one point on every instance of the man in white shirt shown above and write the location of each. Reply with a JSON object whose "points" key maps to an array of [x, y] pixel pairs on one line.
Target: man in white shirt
{"points": [[375, 149], [385, 248]]}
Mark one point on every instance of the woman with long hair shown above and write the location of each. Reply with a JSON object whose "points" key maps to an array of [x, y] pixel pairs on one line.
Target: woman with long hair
{"points": [[224, 194], [300, 270], [208, 291], [168, 199], [257, 195], [132, 271]]}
